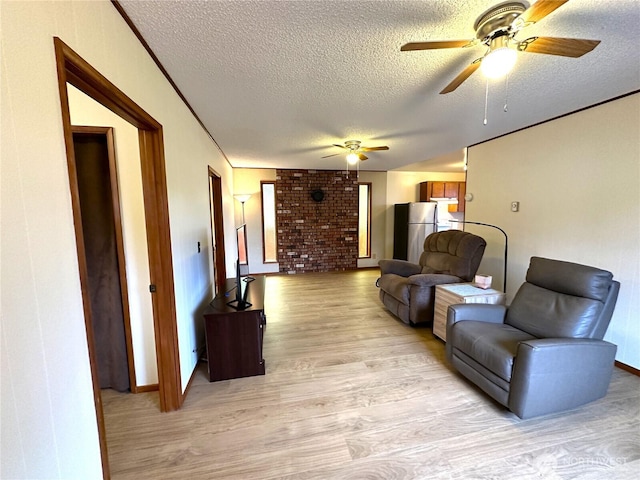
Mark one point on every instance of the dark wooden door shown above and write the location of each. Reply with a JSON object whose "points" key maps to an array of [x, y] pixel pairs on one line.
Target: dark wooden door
{"points": [[104, 251], [217, 231]]}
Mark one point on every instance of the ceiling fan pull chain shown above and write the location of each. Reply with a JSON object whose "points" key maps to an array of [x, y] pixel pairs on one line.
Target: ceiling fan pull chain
{"points": [[486, 101], [506, 93]]}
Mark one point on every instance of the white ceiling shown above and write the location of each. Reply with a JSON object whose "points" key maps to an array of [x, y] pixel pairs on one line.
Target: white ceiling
{"points": [[277, 82]]}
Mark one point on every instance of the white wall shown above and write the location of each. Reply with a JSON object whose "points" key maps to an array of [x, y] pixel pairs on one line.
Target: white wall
{"points": [[48, 424], [247, 181], [577, 179], [87, 112]]}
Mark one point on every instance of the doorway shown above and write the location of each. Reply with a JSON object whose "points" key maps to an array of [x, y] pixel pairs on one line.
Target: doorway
{"points": [[219, 273], [99, 199], [73, 69]]}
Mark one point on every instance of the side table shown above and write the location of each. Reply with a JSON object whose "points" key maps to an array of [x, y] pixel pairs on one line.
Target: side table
{"points": [[451, 294]]}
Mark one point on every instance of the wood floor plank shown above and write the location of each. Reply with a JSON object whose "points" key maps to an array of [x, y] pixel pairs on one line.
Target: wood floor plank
{"points": [[351, 392]]}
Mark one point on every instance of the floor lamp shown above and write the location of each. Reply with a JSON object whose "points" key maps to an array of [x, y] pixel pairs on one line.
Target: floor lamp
{"points": [[242, 198], [506, 245]]}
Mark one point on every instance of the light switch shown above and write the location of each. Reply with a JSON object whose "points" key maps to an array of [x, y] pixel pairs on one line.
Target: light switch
{"points": [[515, 206]]}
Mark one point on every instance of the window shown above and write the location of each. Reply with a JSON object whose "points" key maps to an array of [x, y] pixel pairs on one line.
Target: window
{"points": [[269, 242], [364, 220]]}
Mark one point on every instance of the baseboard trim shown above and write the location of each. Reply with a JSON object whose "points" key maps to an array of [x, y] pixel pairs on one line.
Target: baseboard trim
{"points": [[193, 374], [627, 368], [147, 388]]}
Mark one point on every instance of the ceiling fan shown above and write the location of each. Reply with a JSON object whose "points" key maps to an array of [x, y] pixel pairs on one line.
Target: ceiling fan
{"points": [[355, 151], [496, 28]]}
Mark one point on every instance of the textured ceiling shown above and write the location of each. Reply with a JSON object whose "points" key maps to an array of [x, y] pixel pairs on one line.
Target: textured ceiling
{"points": [[277, 82]]}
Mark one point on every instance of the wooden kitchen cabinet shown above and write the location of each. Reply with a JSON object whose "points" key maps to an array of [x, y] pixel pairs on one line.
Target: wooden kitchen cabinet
{"points": [[462, 190], [456, 190]]}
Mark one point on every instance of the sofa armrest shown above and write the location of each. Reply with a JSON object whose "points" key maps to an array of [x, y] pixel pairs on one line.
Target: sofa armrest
{"points": [[431, 279], [480, 312], [399, 267], [555, 374]]}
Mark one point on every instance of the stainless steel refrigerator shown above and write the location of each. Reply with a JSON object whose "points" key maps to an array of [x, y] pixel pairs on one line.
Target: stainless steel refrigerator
{"points": [[413, 222]]}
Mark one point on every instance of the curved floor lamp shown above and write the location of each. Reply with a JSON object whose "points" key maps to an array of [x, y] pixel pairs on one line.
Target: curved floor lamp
{"points": [[506, 246]]}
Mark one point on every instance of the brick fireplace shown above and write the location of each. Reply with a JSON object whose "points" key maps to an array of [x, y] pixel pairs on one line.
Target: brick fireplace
{"points": [[316, 236]]}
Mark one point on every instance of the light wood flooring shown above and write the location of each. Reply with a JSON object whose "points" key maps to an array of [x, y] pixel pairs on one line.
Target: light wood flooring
{"points": [[353, 393]]}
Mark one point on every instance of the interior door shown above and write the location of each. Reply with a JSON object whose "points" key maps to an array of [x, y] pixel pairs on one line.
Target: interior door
{"points": [[104, 254], [218, 272]]}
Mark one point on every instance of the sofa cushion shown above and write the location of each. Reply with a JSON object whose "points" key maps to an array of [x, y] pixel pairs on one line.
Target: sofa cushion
{"points": [[570, 278], [548, 314], [452, 252], [492, 345], [396, 286]]}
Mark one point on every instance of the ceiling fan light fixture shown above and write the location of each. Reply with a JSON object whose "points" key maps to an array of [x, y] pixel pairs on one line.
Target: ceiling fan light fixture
{"points": [[500, 60], [353, 158]]}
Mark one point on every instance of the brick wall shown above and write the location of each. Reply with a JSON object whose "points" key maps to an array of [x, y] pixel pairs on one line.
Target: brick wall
{"points": [[316, 236]]}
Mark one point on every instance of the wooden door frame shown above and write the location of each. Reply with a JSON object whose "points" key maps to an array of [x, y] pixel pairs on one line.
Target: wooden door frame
{"points": [[72, 69], [117, 220], [215, 182]]}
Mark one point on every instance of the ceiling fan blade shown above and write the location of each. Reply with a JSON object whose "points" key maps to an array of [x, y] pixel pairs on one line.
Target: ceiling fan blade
{"points": [[341, 146], [327, 156], [371, 149], [540, 9], [362, 156], [466, 73], [434, 45], [565, 47]]}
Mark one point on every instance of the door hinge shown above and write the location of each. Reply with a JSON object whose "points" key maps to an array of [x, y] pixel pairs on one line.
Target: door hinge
{"points": [[152, 288]]}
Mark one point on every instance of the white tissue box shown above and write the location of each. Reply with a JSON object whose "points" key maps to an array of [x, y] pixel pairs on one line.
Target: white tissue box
{"points": [[483, 281]]}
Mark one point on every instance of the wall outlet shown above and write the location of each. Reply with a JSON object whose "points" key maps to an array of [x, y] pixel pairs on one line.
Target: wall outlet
{"points": [[374, 256], [515, 206]]}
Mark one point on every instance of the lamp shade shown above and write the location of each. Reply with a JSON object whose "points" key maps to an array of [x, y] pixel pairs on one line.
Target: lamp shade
{"points": [[352, 158], [242, 197], [500, 60]]}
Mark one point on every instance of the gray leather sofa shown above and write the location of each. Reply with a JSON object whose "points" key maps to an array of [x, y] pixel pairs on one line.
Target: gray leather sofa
{"points": [[408, 289], [544, 353]]}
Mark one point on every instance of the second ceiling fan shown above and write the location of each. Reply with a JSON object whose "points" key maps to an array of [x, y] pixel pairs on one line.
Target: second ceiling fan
{"points": [[496, 29], [355, 150]]}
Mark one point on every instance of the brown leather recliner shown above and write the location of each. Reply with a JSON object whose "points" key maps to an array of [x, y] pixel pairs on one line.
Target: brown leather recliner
{"points": [[408, 289]]}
